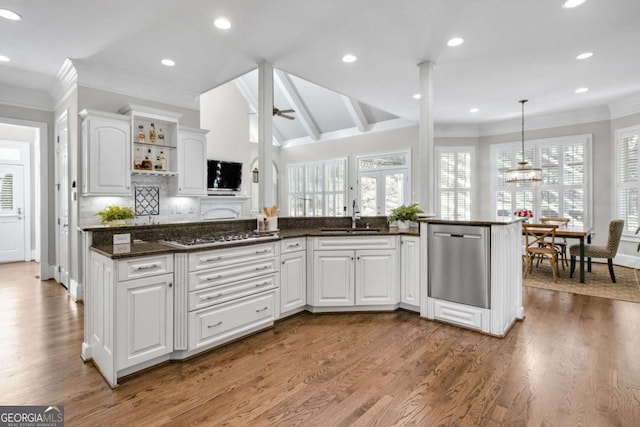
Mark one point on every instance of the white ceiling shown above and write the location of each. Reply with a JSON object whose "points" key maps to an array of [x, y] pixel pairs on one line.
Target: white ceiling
{"points": [[513, 48]]}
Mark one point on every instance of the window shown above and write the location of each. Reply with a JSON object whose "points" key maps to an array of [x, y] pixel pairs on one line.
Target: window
{"points": [[317, 189], [383, 182], [565, 187], [454, 178], [627, 178]]}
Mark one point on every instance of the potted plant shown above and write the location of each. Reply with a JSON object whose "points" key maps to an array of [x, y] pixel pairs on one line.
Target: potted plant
{"points": [[116, 215], [403, 214]]}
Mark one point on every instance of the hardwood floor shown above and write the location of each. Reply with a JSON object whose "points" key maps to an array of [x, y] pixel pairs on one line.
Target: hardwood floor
{"points": [[574, 360]]}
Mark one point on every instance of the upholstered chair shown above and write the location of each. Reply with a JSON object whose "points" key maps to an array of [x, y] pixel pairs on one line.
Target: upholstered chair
{"points": [[594, 251]]}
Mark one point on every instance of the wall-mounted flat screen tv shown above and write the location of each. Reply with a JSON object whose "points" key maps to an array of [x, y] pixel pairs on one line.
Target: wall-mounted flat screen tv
{"points": [[223, 176]]}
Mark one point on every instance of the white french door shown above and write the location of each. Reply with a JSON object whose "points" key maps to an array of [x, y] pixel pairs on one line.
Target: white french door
{"points": [[12, 218], [382, 191]]}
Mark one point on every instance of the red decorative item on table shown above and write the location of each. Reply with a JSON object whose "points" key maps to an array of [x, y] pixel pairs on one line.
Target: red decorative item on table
{"points": [[525, 213]]}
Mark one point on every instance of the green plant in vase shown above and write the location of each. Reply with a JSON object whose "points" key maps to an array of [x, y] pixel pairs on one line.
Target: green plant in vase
{"points": [[403, 214], [116, 215]]}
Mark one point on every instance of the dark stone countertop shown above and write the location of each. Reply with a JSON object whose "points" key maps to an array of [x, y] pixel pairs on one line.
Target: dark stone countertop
{"points": [[139, 249]]}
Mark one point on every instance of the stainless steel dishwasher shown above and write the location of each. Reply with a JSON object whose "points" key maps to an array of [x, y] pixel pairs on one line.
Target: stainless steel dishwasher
{"points": [[459, 263]]}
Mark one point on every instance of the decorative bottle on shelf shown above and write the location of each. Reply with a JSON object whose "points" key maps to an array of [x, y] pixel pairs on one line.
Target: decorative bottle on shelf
{"points": [[163, 162], [137, 159], [147, 164], [157, 166], [160, 137], [152, 134], [141, 134]]}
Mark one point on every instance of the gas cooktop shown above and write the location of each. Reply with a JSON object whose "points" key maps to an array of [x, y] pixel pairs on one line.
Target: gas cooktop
{"points": [[219, 239]]}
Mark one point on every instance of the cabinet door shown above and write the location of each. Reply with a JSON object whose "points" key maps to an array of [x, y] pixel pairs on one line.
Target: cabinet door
{"points": [[293, 281], [377, 277], [192, 164], [410, 270], [107, 156], [333, 278], [144, 319]]}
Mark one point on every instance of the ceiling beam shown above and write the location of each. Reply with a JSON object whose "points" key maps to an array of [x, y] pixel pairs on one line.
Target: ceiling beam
{"points": [[355, 111], [291, 94], [253, 106]]}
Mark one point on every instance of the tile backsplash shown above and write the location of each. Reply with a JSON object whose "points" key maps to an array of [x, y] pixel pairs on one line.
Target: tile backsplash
{"points": [[171, 208]]}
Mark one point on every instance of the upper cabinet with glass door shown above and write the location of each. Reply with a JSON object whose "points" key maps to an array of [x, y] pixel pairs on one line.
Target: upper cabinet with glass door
{"points": [[154, 135]]}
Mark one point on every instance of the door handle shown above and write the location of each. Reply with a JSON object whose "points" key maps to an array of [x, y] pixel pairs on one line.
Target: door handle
{"points": [[19, 211]]}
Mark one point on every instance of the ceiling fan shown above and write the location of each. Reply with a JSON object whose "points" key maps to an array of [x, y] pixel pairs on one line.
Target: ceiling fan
{"points": [[283, 113]]}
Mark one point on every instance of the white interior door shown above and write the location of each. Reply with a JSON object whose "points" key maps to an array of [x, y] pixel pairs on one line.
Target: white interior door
{"points": [[62, 205], [12, 218]]}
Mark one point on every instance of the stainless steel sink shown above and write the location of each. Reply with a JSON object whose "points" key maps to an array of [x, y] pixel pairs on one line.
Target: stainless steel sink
{"points": [[349, 230]]}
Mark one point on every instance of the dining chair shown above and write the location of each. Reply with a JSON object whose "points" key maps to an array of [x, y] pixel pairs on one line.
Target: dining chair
{"points": [[561, 243], [541, 242], [595, 251]]}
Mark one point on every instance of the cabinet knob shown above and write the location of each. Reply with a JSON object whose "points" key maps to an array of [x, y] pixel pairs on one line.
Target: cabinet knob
{"points": [[170, 285], [351, 258], [282, 262], [358, 258]]}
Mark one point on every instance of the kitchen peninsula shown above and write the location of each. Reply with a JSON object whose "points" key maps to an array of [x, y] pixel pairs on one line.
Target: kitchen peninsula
{"points": [[160, 301]]}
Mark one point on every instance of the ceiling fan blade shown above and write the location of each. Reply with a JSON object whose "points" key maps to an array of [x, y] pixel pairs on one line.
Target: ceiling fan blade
{"points": [[288, 111], [287, 117]]}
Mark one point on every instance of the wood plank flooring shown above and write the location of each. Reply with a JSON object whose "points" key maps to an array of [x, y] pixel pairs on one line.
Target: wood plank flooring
{"points": [[574, 360]]}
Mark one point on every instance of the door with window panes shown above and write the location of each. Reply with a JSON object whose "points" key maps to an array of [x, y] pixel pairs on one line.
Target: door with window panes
{"points": [[383, 182]]}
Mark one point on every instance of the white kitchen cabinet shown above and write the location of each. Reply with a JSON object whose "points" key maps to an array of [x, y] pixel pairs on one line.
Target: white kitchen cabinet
{"points": [[293, 282], [333, 278], [144, 309], [355, 271], [376, 277], [129, 320], [410, 272], [106, 148], [192, 162]]}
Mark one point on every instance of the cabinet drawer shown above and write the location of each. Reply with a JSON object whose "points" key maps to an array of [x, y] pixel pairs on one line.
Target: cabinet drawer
{"points": [[354, 242], [293, 245], [223, 293], [136, 268], [227, 321], [220, 257], [231, 273]]}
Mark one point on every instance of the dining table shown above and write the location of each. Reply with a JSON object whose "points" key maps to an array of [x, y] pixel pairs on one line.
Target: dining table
{"points": [[581, 233]]}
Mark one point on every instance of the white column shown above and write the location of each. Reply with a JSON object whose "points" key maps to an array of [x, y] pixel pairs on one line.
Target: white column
{"points": [[265, 134], [427, 152]]}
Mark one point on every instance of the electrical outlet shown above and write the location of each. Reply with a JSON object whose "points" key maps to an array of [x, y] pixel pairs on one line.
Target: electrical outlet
{"points": [[192, 209], [178, 209]]}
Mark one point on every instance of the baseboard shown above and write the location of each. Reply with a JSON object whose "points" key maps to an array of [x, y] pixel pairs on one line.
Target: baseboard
{"points": [[76, 290], [627, 260]]}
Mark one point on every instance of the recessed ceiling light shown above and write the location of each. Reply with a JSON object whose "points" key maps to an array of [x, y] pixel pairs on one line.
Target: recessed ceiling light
{"points": [[168, 62], [474, 110], [10, 15], [582, 90], [572, 3], [456, 41], [4, 58], [222, 23], [417, 96], [349, 58], [585, 55]]}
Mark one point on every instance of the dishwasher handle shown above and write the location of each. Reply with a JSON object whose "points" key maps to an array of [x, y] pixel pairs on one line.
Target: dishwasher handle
{"points": [[460, 236]]}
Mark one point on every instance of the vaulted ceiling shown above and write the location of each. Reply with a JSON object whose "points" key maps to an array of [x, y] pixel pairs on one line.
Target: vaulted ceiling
{"points": [[513, 49]]}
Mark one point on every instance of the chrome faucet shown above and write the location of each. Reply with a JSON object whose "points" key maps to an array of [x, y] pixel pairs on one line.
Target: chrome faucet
{"points": [[355, 214]]}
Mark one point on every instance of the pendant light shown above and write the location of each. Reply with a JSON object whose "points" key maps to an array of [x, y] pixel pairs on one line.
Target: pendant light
{"points": [[523, 174]]}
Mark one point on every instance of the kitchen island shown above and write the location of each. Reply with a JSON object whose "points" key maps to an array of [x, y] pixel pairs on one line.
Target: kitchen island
{"points": [[473, 277]]}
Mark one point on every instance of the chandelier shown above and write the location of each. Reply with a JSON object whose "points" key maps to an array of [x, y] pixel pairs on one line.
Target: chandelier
{"points": [[523, 174]]}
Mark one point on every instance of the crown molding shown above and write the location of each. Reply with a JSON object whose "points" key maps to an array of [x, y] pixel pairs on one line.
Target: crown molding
{"points": [[23, 97], [134, 85], [625, 107], [546, 121], [87, 112]]}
